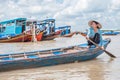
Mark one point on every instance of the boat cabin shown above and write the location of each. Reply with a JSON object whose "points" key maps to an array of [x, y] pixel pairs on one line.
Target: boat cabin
{"points": [[14, 26], [30, 22], [64, 29], [47, 25]]}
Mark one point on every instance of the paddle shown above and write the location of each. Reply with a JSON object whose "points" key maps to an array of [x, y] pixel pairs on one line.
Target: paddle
{"points": [[108, 53], [69, 35]]}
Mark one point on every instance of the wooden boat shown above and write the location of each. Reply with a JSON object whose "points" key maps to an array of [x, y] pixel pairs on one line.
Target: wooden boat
{"points": [[18, 26], [18, 38], [110, 33], [49, 57], [50, 36], [13, 30], [55, 35], [38, 35], [69, 35], [64, 31], [59, 32]]}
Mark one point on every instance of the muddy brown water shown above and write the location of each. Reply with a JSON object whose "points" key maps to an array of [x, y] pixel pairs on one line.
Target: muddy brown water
{"points": [[101, 68]]}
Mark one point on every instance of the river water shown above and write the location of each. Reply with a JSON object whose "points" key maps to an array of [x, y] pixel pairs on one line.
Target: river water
{"points": [[101, 68]]}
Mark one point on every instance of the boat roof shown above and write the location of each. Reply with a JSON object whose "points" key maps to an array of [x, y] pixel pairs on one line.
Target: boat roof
{"points": [[62, 27], [41, 21], [32, 20], [7, 21], [46, 20]]}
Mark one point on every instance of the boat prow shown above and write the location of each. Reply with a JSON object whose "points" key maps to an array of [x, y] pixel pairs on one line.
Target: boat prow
{"points": [[17, 38]]}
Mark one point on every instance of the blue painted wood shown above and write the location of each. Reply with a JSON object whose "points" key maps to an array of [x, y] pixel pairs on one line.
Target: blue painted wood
{"points": [[110, 33], [8, 62], [10, 27], [65, 29], [48, 25]]}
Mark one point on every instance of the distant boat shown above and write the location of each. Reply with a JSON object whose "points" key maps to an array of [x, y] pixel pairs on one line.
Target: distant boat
{"points": [[110, 33], [65, 30], [42, 29], [14, 26], [50, 36], [50, 30], [49, 57], [13, 30]]}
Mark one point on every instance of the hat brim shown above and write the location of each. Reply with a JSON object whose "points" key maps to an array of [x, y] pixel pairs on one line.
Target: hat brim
{"points": [[90, 24]]}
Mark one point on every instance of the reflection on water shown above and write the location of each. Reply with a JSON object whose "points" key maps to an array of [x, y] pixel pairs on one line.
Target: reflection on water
{"points": [[101, 68]]}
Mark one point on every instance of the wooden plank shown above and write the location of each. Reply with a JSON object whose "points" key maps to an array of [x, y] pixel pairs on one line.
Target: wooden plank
{"points": [[4, 56], [10, 56], [25, 56]]}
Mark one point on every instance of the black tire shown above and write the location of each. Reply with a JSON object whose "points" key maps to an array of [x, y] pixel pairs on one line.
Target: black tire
{"points": [[37, 31]]}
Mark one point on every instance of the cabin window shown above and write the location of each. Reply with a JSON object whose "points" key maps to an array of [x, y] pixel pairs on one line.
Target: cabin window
{"points": [[10, 24], [2, 29], [34, 22], [20, 23], [28, 23], [4, 24]]}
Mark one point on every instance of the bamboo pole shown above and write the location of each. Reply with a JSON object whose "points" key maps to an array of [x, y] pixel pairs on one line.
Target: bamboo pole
{"points": [[33, 33]]}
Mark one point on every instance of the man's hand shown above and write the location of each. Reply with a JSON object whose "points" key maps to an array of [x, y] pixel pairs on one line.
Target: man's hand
{"points": [[103, 47], [83, 34]]}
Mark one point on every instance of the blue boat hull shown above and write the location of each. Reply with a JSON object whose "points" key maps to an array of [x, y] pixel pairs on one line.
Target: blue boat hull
{"points": [[110, 33], [36, 61]]}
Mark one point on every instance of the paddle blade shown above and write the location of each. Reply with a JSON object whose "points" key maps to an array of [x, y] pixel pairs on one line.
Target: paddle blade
{"points": [[111, 55]]}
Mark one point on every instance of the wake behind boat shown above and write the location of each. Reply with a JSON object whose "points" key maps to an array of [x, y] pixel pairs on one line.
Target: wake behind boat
{"points": [[49, 57]]}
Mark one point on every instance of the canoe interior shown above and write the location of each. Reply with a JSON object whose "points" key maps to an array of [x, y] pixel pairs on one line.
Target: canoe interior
{"points": [[49, 57]]}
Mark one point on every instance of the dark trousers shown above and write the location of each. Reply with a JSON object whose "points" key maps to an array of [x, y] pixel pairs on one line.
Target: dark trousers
{"points": [[95, 39]]}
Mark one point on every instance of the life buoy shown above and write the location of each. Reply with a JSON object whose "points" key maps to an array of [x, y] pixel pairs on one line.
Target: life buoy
{"points": [[8, 36], [63, 32], [37, 31]]}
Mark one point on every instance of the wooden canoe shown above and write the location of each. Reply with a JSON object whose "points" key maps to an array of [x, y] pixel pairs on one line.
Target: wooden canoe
{"points": [[49, 57], [69, 35], [110, 33]]}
